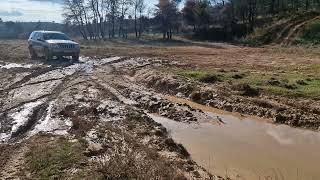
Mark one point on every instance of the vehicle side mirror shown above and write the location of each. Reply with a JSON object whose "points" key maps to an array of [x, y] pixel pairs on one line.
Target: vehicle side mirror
{"points": [[40, 40]]}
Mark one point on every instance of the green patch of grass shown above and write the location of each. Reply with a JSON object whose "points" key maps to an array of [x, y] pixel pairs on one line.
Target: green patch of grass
{"points": [[311, 90], [48, 159], [313, 69], [310, 34], [192, 73], [284, 84], [200, 75], [291, 85]]}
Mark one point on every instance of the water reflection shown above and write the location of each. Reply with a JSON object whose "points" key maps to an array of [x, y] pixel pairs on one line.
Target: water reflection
{"points": [[248, 147]]}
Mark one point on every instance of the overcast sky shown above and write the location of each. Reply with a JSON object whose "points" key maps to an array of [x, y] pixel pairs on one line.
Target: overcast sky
{"points": [[36, 10]]}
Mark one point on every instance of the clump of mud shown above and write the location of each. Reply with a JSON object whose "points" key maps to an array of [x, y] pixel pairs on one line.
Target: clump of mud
{"points": [[212, 78], [165, 83], [246, 90]]}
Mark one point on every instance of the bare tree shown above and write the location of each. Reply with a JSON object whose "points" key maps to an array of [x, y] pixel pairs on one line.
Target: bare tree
{"points": [[124, 7], [141, 9], [167, 13], [113, 15], [74, 12], [138, 7]]}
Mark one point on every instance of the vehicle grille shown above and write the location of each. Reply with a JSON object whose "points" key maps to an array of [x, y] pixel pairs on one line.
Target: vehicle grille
{"points": [[67, 46]]}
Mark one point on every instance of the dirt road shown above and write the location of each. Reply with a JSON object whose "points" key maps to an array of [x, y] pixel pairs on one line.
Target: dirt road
{"points": [[100, 110]]}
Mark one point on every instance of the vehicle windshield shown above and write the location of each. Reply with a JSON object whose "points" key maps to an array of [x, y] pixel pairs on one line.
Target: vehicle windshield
{"points": [[53, 36]]}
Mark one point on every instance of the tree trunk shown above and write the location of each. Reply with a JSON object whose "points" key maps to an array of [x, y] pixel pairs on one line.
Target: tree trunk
{"points": [[135, 23], [140, 27], [272, 5]]}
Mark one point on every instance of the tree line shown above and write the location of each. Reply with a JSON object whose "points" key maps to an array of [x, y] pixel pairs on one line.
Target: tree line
{"points": [[101, 19], [22, 30], [97, 19]]}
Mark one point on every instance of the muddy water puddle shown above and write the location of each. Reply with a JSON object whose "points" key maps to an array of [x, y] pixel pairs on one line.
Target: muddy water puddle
{"points": [[246, 147]]}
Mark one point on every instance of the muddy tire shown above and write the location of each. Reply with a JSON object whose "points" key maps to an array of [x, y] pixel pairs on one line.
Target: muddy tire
{"points": [[75, 58], [47, 56], [32, 53]]}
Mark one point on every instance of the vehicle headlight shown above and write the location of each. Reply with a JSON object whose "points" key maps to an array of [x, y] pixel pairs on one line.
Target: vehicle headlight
{"points": [[77, 46], [54, 46]]}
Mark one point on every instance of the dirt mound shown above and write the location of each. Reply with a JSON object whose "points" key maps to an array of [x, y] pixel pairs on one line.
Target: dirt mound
{"points": [[283, 31], [163, 82]]}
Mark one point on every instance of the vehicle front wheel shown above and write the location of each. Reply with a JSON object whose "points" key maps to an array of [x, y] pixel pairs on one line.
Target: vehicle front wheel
{"points": [[48, 56], [75, 58], [32, 53]]}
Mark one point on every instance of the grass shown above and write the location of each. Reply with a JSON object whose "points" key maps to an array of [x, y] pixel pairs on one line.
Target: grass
{"points": [[283, 83], [192, 73], [49, 161], [310, 34], [201, 75], [311, 89]]}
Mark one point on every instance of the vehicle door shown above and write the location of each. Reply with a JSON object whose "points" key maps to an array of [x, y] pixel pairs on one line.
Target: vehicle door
{"points": [[42, 44], [36, 43], [32, 42], [31, 38]]}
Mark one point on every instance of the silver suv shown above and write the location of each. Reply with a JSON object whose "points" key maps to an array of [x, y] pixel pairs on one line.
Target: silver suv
{"points": [[51, 43]]}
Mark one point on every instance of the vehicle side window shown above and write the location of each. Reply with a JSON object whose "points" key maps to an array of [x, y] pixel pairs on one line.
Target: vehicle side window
{"points": [[31, 35], [35, 35], [40, 36]]}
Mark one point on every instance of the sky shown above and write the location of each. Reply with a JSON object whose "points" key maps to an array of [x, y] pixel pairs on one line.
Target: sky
{"points": [[36, 10]]}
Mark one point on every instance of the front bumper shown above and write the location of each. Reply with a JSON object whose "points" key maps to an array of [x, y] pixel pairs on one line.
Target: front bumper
{"points": [[65, 52]]}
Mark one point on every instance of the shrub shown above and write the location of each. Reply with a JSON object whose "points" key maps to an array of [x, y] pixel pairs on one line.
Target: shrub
{"points": [[219, 33], [311, 33]]}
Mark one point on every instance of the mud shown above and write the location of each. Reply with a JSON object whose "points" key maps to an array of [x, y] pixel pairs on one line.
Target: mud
{"points": [[95, 101], [107, 104]]}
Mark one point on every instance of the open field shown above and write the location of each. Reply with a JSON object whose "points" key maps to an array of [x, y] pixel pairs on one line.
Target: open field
{"points": [[288, 71], [104, 112], [282, 66], [297, 66]]}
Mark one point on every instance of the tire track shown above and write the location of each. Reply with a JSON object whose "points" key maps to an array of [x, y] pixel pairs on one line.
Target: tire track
{"points": [[289, 39], [69, 73], [27, 78]]}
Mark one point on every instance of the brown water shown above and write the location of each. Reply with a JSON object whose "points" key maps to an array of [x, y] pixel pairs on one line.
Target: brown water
{"points": [[248, 147]]}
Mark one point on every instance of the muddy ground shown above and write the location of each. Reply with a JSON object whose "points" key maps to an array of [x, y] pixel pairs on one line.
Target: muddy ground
{"points": [[98, 110], [96, 106]]}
